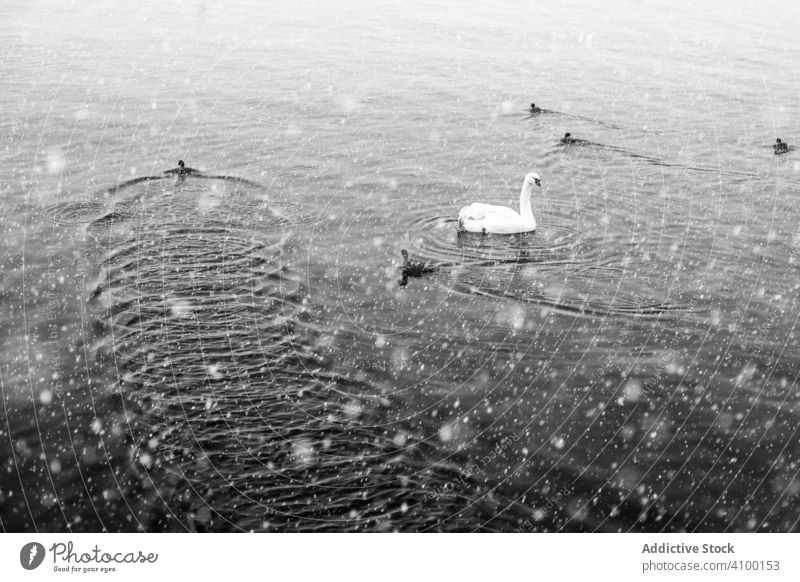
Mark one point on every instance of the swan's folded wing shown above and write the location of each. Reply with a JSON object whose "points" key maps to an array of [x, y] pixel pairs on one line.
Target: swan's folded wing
{"points": [[479, 211], [471, 212]]}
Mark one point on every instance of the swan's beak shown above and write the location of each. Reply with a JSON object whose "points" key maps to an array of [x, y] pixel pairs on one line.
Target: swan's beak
{"points": [[538, 182]]}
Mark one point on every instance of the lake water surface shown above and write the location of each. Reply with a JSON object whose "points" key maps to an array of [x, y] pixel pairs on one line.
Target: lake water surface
{"points": [[233, 351]]}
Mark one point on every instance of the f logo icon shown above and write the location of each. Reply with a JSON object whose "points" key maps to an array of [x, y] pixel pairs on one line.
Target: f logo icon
{"points": [[31, 555]]}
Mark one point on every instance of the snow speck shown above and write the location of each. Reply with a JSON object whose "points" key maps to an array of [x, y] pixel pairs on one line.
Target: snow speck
{"points": [[303, 451], [352, 408], [55, 160], [446, 433], [632, 391]]}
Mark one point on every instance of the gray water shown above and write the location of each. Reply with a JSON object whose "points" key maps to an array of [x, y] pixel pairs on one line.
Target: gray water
{"points": [[234, 351]]}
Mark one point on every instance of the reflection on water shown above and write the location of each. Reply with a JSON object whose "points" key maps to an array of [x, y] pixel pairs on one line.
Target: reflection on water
{"points": [[230, 349]]}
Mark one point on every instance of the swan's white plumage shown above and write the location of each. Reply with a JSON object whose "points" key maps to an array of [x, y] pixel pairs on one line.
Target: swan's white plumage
{"points": [[479, 210], [488, 218]]}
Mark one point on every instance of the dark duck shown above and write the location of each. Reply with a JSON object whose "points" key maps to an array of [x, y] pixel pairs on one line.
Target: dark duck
{"points": [[569, 140], [182, 171], [780, 147], [411, 268]]}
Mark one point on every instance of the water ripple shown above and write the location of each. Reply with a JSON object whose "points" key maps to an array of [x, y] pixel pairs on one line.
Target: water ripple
{"points": [[205, 327]]}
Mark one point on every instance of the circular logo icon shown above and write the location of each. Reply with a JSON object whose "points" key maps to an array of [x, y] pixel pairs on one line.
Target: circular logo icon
{"points": [[31, 555]]}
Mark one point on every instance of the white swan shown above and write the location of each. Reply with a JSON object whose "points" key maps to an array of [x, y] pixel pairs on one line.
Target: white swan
{"points": [[486, 218]]}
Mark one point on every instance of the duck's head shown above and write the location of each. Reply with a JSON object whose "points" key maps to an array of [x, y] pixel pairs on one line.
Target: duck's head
{"points": [[533, 105], [404, 252], [533, 179], [181, 164], [778, 140]]}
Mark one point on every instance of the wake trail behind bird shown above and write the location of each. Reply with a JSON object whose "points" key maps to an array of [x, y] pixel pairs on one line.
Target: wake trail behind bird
{"points": [[593, 120], [658, 161]]}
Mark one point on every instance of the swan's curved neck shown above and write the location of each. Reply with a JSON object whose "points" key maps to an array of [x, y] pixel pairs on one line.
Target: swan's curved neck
{"points": [[525, 205]]}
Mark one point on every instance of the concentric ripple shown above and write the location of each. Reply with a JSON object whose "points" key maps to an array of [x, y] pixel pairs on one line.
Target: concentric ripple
{"points": [[554, 267], [204, 328]]}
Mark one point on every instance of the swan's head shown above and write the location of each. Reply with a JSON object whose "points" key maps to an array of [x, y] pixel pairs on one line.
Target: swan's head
{"points": [[533, 179]]}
